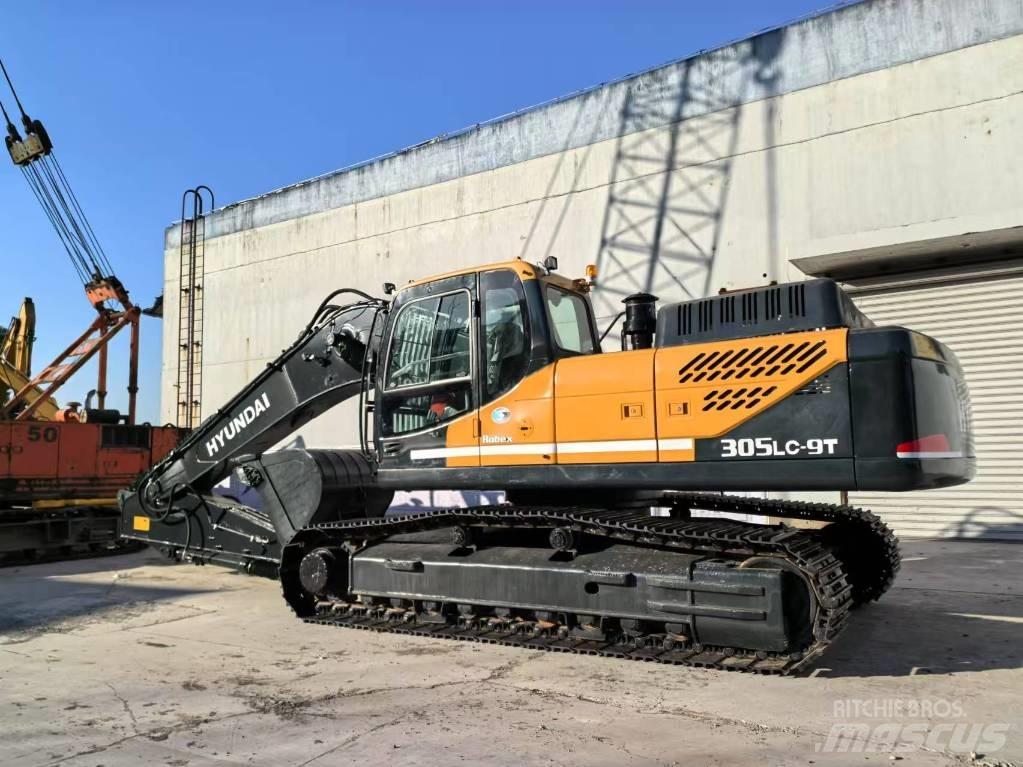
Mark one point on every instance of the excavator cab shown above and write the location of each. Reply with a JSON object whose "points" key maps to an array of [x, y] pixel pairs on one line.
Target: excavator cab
{"points": [[465, 368]]}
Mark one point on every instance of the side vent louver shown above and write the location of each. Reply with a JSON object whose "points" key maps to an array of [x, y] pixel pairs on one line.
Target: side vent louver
{"points": [[734, 399], [772, 298], [750, 303], [797, 300], [685, 319], [752, 362], [727, 305], [706, 316]]}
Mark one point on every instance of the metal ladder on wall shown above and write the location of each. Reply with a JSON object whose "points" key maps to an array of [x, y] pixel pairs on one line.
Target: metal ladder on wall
{"points": [[190, 305]]}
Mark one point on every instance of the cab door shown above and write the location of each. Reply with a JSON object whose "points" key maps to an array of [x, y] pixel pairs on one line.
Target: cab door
{"points": [[516, 417], [425, 409]]}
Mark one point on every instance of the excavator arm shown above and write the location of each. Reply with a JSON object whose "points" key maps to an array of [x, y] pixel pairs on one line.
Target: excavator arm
{"points": [[173, 505], [16, 362], [17, 341]]}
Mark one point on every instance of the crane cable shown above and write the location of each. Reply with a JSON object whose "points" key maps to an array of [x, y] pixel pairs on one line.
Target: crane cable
{"points": [[49, 184]]}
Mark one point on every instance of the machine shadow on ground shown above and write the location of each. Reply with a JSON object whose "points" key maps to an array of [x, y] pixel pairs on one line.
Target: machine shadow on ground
{"points": [[59, 596], [894, 638], [973, 525], [956, 607]]}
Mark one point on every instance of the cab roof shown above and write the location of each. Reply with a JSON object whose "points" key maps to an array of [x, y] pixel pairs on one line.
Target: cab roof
{"points": [[524, 269]]}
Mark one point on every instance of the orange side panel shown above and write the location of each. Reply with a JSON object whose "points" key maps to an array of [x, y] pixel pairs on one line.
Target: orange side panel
{"points": [[463, 432], [674, 451], [164, 439], [517, 428], [706, 390], [604, 411], [643, 405], [79, 448], [122, 462], [5, 450], [34, 449]]}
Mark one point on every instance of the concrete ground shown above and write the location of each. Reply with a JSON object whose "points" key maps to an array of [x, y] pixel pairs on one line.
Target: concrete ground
{"points": [[129, 660]]}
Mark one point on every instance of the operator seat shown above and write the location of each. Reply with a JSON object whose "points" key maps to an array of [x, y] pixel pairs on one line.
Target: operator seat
{"points": [[506, 356]]}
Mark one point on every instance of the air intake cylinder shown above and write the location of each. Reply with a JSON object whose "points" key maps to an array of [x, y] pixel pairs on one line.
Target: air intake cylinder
{"points": [[640, 321]]}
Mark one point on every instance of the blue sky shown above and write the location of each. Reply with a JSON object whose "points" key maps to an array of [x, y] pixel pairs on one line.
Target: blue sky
{"points": [[144, 100]]}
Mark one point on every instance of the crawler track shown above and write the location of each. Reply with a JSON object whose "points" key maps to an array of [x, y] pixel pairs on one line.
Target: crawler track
{"points": [[823, 557]]}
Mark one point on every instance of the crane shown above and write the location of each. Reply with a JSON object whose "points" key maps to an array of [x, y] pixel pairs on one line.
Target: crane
{"points": [[60, 468], [31, 149]]}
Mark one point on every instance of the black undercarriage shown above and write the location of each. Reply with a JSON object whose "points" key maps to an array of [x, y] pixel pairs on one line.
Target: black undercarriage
{"points": [[676, 589]]}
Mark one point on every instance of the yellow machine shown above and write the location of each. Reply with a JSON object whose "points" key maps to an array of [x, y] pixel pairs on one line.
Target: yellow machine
{"points": [[16, 361], [493, 378]]}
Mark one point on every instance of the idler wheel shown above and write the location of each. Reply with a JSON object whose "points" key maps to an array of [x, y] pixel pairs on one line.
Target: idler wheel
{"points": [[562, 539], [315, 570], [461, 536]]}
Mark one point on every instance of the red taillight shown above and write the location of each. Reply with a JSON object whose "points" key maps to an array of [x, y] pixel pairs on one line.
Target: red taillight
{"points": [[933, 446]]}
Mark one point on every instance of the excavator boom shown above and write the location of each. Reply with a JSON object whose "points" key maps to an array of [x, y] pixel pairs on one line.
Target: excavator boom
{"points": [[175, 503], [17, 342]]}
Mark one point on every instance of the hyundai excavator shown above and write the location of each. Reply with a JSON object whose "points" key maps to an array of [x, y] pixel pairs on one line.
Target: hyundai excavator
{"points": [[494, 378]]}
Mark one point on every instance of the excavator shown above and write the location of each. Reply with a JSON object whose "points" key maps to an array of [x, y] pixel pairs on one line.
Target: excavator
{"points": [[623, 471]]}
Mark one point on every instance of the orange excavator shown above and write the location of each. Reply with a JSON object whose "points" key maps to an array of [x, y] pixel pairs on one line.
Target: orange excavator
{"points": [[61, 467], [493, 378]]}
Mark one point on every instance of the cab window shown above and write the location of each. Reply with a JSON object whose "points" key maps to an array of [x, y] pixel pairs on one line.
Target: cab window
{"points": [[430, 341], [570, 321], [428, 375], [506, 347]]}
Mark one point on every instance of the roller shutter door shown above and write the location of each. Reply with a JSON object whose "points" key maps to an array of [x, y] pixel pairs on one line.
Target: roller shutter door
{"points": [[982, 321]]}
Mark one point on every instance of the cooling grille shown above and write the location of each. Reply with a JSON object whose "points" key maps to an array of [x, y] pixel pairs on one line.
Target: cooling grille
{"points": [[735, 399], [711, 388], [753, 361], [770, 310]]}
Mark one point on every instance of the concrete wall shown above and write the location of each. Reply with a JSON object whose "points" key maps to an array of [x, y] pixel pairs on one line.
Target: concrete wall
{"points": [[880, 125]]}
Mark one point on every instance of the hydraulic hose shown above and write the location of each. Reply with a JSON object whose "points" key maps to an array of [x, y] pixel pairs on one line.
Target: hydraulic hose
{"points": [[326, 302]]}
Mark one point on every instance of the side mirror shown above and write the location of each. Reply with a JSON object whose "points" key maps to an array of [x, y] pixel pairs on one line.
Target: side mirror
{"points": [[550, 263], [389, 288]]}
